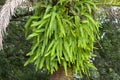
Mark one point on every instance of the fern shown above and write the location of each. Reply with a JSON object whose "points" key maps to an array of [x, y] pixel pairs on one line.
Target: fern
{"points": [[63, 35]]}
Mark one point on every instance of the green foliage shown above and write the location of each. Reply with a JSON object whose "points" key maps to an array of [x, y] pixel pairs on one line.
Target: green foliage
{"points": [[2, 2], [108, 55], [13, 56], [62, 34], [110, 45]]}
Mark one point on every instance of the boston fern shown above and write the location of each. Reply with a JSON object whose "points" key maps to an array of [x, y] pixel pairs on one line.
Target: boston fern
{"points": [[63, 33]]}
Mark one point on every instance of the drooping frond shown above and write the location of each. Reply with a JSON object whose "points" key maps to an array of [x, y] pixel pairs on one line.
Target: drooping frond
{"points": [[5, 14]]}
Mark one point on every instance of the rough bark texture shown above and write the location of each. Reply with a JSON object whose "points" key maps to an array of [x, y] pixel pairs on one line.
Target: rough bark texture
{"points": [[60, 75]]}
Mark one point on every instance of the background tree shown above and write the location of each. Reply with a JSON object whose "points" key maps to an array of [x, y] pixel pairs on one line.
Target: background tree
{"points": [[13, 56], [107, 60]]}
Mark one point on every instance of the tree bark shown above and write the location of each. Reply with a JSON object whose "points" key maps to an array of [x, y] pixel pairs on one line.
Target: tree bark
{"points": [[60, 74]]}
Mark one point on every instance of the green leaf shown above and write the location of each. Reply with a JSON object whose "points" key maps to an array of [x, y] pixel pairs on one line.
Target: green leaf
{"points": [[89, 7], [51, 27], [68, 54], [47, 16], [90, 18], [32, 35], [41, 62], [35, 23], [27, 26], [38, 30], [42, 23], [65, 67], [49, 7], [51, 45], [60, 25], [47, 63]]}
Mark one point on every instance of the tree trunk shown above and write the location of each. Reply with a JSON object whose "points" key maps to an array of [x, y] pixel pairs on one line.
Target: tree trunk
{"points": [[60, 74]]}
